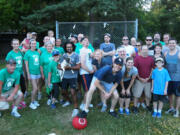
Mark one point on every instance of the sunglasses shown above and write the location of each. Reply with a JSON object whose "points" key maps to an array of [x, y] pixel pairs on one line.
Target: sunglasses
{"points": [[137, 45], [125, 39], [148, 39]]}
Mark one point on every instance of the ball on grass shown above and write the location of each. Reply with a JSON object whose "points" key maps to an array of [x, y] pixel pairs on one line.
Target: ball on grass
{"points": [[79, 123]]}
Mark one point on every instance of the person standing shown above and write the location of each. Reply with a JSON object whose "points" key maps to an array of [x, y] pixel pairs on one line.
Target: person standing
{"points": [[173, 66], [108, 49], [130, 51]]}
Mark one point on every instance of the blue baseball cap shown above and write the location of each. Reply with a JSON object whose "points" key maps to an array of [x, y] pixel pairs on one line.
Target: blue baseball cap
{"points": [[55, 52]]}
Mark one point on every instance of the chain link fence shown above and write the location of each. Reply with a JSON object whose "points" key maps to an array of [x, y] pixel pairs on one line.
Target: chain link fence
{"points": [[96, 30]]}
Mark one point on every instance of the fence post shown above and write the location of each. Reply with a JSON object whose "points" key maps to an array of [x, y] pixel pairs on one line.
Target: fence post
{"points": [[136, 28], [57, 29]]}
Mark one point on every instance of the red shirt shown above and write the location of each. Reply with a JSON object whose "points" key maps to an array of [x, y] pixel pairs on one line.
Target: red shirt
{"points": [[144, 65]]}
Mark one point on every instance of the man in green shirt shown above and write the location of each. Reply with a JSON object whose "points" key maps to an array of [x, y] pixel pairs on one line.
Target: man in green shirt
{"points": [[54, 77], [9, 87], [58, 46]]}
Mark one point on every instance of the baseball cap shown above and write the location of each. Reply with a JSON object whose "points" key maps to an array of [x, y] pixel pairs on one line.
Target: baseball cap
{"points": [[159, 59], [55, 52], [34, 33], [119, 61], [107, 34], [11, 61]]}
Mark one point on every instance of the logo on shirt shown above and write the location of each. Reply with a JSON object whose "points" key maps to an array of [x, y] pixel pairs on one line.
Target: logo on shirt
{"points": [[9, 83], [36, 59]]}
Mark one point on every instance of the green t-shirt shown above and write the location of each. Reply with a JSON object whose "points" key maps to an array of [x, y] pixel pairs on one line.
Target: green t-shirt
{"points": [[9, 79], [43, 50], [45, 59], [162, 43], [55, 77], [33, 58], [79, 47], [19, 60], [60, 49]]}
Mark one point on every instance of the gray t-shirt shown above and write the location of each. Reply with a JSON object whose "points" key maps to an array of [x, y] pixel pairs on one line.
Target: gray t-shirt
{"points": [[133, 71], [107, 48], [74, 59]]}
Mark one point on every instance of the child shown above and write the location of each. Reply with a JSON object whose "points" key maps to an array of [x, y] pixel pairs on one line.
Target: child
{"points": [[160, 78]]}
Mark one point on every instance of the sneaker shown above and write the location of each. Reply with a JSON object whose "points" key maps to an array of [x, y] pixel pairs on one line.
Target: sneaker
{"points": [[100, 104], [82, 106], [62, 101], [15, 114], [39, 96], [75, 112], [91, 105], [48, 101], [171, 110], [138, 104], [159, 115], [143, 105], [135, 110], [127, 111], [33, 106], [83, 114], [154, 114], [104, 107], [19, 106], [36, 103], [121, 111], [67, 103], [176, 114], [114, 114], [53, 106], [23, 104]]}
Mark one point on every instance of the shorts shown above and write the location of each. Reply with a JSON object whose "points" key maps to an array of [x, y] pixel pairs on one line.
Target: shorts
{"points": [[33, 77], [139, 87], [71, 82], [174, 88], [5, 105], [86, 81], [107, 86], [161, 98], [126, 85]]}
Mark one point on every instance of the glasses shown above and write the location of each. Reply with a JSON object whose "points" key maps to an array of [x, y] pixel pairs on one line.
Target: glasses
{"points": [[148, 39], [137, 45], [125, 39]]}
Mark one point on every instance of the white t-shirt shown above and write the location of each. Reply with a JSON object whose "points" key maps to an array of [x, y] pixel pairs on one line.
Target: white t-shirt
{"points": [[129, 50], [85, 52]]}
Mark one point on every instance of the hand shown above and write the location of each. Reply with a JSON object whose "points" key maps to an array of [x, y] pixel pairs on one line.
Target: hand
{"points": [[147, 79], [152, 90], [165, 92], [91, 71], [29, 78], [142, 80], [107, 95], [42, 76], [59, 67], [123, 92], [10, 98], [127, 92]]}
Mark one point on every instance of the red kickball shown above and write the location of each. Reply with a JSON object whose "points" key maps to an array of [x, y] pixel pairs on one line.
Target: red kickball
{"points": [[79, 123]]}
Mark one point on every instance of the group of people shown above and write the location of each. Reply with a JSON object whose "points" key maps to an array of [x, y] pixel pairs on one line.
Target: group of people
{"points": [[134, 72]]}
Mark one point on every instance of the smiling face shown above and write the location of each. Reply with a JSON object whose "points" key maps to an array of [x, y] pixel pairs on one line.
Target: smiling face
{"points": [[125, 40], [11, 68], [15, 45], [33, 45], [106, 39], [85, 42], [158, 49], [129, 64], [159, 64], [98, 55], [69, 48], [58, 42], [172, 45], [116, 67]]}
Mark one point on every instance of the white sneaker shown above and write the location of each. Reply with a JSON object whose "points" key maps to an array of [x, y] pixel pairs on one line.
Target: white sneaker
{"points": [[171, 110], [176, 114], [91, 105], [82, 106], [48, 101], [15, 114], [143, 105], [67, 103], [39, 95], [138, 105], [75, 112], [33, 106], [36, 103]]}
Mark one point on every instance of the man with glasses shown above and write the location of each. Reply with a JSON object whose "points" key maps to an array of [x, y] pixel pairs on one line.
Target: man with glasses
{"points": [[149, 41], [130, 51]]}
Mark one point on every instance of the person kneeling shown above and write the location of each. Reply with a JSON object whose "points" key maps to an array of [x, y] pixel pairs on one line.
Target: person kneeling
{"points": [[9, 78], [106, 79]]}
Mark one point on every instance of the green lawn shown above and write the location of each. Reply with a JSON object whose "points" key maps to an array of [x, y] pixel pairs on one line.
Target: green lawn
{"points": [[44, 121]]}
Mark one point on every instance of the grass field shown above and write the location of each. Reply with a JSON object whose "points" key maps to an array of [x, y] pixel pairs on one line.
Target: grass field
{"points": [[45, 120]]}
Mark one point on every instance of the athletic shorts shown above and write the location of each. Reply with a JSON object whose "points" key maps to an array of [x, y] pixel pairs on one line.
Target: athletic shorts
{"points": [[33, 77], [126, 85], [174, 88], [139, 87], [86, 81], [161, 98], [72, 83]]}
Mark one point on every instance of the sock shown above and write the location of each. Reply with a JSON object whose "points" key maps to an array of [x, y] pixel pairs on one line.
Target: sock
{"points": [[155, 110], [121, 109], [14, 108], [111, 110], [159, 111]]}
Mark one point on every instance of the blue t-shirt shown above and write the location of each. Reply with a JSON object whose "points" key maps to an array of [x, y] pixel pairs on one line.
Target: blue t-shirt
{"points": [[133, 71], [160, 77], [99, 65], [105, 74], [107, 48]]}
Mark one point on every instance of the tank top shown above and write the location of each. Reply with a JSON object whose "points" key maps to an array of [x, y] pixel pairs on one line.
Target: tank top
{"points": [[173, 66]]}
